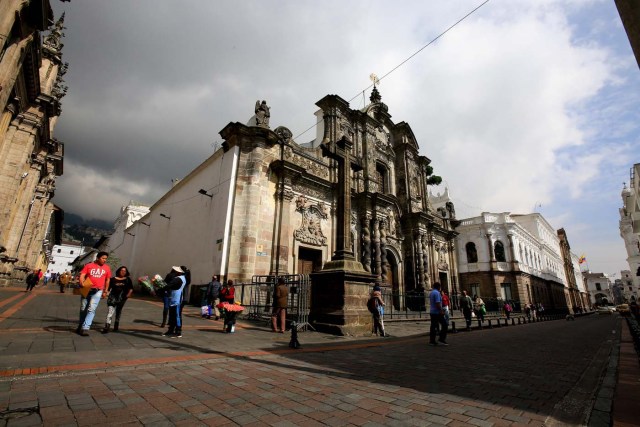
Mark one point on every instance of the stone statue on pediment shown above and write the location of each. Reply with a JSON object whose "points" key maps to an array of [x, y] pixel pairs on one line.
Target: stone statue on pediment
{"points": [[263, 114]]}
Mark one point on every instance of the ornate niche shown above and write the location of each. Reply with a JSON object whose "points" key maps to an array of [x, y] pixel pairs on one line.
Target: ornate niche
{"points": [[310, 230], [441, 250]]}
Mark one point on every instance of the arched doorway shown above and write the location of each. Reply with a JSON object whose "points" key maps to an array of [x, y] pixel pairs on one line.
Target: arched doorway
{"points": [[393, 278]]}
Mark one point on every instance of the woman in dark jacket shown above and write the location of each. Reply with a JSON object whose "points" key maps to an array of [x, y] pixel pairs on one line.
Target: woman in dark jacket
{"points": [[120, 289]]}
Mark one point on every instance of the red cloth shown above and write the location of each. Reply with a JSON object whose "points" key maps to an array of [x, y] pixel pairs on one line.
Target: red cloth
{"points": [[228, 294], [98, 274], [445, 300]]}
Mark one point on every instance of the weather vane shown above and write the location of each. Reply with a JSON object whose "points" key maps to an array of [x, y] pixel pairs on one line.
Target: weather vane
{"points": [[374, 79]]}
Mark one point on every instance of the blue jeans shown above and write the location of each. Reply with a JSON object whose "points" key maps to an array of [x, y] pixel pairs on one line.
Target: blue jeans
{"points": [[88, 307]]}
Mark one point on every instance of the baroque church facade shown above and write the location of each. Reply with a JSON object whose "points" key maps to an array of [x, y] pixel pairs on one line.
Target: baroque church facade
{"points": [[265, 204], [31, 87]]}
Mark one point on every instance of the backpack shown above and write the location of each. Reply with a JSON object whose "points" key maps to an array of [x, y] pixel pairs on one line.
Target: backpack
{"points": [[372, 305]]}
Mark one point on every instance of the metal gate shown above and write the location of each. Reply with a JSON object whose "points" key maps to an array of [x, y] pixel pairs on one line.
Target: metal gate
{"points": [[261, 291]]}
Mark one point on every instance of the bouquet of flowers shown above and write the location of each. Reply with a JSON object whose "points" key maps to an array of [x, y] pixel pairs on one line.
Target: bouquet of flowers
{"points": [[146, 284], [229, 312], [153, 285]]}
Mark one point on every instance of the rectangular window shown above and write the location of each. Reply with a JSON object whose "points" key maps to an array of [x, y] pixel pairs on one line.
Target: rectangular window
{"points": [[506, 291], [71, 253], [475, 289], [59, 250], [598, 287]]}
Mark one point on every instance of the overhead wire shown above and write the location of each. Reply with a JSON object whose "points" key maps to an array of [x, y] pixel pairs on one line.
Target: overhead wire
{"points": [[405, 61]]}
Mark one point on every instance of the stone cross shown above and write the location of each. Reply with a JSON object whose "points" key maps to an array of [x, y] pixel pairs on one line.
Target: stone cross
{"points": [[340, 151]]}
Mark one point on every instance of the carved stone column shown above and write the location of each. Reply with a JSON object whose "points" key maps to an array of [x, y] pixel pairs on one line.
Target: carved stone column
{"points": [[383, 251], [366, 243], [425, 259], [433, 268], [419, 261], [377, 258]]}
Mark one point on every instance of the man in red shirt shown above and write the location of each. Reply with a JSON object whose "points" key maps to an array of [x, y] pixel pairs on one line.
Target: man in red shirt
{"points": [[99, 273]]}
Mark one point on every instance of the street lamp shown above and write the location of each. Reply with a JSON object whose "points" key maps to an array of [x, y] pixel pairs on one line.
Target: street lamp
{"points": [[165, 216], [204, 193], [130, 234], [144, 223]]}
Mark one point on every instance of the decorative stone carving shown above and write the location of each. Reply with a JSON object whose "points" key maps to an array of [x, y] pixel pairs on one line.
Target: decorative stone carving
{"points": [[311, 191], [425, 258], [310, 230], [383, 251], [366, 244], [441, 249], [313, 167], [451, 210], [284, 134], [262, 114], [347, 129]]}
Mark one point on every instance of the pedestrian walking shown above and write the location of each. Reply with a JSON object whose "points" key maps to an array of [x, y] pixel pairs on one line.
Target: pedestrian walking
{"points": [[479, 308], [445, 305], [279, 313], [64, 280], [507, 309], [467, 306], [120, 289], [47, 277], [99, 273], [436, 312], [527, 311], [175, 287], [213, 296], [228, 295], [375, 305], [32, 280]]}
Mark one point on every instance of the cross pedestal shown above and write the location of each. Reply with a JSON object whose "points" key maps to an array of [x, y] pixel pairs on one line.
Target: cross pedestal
{"points": [[340, 291]]}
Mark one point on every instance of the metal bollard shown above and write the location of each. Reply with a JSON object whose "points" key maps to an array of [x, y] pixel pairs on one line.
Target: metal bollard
{"points": [[453, 327], [479, 324], [513, 321], [490, 325], [294, 343]]}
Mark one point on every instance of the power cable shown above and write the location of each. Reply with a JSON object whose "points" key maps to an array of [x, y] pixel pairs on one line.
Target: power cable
{"points": [[405, 61]]}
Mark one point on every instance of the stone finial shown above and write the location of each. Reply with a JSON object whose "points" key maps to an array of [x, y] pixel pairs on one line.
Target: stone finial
{"points": [[375, 96], [52, 43]]}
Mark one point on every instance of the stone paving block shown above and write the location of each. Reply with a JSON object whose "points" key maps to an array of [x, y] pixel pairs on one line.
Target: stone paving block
{"points": [[26, 421]]}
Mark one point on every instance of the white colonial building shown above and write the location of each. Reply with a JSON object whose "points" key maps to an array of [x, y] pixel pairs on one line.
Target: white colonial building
{"points": [[629, 288], [599, 288], [511, 257], [630, 223], [62, 256]]}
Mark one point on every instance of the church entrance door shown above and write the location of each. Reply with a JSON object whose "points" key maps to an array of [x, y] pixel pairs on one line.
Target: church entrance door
{"points": [[393, 280], [309, 260]]}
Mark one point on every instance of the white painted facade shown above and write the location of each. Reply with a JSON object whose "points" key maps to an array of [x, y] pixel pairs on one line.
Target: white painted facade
{"points": [[536, 247], [598, 286], [630, 291], [184, 227], [575, 262], [630, 223], [62, 257]]}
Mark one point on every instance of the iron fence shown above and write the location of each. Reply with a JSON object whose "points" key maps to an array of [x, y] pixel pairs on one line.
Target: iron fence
{"points": [[257, 297]]}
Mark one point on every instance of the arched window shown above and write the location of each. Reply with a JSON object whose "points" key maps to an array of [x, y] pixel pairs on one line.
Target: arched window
{"points": [[472, 253], [499, 251]]}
